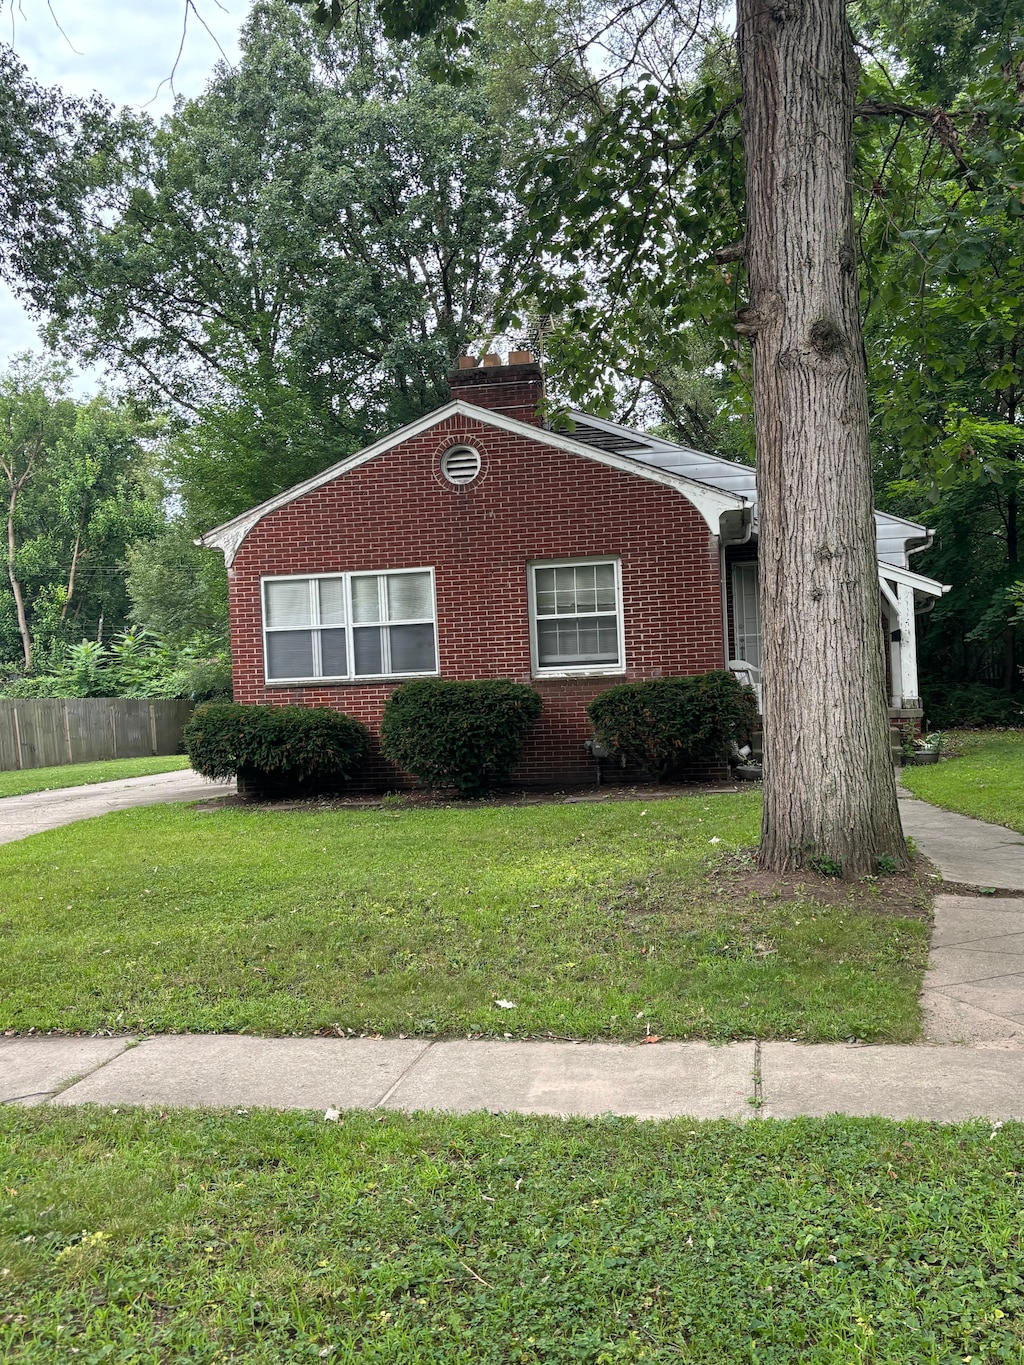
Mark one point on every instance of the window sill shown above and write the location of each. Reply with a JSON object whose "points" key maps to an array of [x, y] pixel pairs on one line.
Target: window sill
{"points": [[571, 674], [347, 682]]}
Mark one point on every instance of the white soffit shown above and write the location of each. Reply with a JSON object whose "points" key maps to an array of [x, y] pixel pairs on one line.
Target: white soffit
{"points": [[709, 501]]}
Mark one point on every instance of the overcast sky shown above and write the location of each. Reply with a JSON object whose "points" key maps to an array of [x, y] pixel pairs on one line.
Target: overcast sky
{"points": [[124, 49]]}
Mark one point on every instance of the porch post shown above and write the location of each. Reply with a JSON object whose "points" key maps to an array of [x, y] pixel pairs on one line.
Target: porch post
{"points": [[907, 680]]}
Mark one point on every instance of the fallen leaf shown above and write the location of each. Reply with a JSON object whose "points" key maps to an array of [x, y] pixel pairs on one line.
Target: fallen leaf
{"points": [[332, 1115], [651, 1038], [506, 1004]]}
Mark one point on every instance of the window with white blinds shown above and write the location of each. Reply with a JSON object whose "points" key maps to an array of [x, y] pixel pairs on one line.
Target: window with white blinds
{"points": [[339, 627], [576, 616], [746, 613]]}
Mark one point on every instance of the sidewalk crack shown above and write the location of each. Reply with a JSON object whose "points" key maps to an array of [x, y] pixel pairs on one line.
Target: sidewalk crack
{"points": [[130, 1042], [392, 1088], [757, 1098]]}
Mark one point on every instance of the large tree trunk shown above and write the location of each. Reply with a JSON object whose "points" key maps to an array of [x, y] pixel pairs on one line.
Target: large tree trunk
{"points": [[830, 795]]}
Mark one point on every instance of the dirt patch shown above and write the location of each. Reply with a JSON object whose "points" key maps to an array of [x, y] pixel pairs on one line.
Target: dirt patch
{"points": [[445, 799], [737, 881], [979, 892]]}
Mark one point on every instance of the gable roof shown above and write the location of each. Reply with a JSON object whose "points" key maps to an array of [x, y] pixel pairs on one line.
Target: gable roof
{"points": [[713, 485], [896, 539], [710, 499]]}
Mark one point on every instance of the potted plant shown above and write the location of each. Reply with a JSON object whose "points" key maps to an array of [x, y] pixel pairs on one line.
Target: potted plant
{"points": [[929, 748]]}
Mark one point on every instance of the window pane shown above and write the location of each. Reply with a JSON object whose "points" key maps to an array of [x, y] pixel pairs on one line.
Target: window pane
{"points": [[333, 655], [369, 658], [412, 649], [586, 590], [565, 591], [288, 602], [409, 597], [365, 599], [332, 601], [544, 585], [290, 654], [565, 643], [604, 575]]}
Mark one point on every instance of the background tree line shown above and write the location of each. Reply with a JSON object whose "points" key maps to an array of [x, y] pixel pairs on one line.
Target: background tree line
{"points": [[286, 267]]}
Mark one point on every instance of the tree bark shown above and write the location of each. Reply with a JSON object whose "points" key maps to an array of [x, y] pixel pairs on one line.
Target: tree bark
{"points": [[830, 795], [19, 601]]}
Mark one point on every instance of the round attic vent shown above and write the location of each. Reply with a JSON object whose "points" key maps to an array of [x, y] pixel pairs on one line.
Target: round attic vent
{"points": [[460, 465]]}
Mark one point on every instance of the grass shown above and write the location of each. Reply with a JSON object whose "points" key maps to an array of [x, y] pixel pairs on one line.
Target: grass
{"points": [[81, 774], [986, 780], [135, 1236], [595, 920]]}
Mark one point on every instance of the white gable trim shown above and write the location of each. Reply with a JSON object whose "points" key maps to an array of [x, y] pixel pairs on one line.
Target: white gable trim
{"points": [[710, 502]]}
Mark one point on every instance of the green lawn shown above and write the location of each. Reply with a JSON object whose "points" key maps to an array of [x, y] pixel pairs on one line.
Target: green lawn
{"points": [[81, 774], [986, 781], [595, 920], [427, 1240]]}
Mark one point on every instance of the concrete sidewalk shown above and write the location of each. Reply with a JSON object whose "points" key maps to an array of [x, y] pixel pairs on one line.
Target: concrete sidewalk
{"points": [[21, 816], [665, 1080], [964, 850]]}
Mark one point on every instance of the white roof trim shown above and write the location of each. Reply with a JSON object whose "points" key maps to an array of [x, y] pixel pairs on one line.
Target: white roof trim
{"points": [[709, 501], [917, 581]]}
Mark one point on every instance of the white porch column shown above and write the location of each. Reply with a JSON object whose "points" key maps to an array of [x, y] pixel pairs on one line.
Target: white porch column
{"points": [[905, 682]]}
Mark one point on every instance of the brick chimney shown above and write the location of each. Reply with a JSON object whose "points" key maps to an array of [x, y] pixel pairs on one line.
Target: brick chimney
{"points": [[515, 389]]}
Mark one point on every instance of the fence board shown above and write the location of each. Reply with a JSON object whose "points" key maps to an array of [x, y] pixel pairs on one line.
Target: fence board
{"points": [[168, 720], [130, 725], [88, 722], [41, 729], [54, 731]]}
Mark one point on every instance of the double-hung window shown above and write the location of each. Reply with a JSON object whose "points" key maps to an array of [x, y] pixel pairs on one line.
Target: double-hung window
{"points": [[576, 616], [339, 627]]}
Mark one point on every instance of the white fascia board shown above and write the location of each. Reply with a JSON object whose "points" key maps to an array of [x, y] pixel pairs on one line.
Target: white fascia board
{"points": [[709, 501], [917, 581]]}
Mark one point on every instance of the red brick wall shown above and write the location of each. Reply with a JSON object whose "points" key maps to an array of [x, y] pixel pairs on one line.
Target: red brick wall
{"points": [[529, 502]]}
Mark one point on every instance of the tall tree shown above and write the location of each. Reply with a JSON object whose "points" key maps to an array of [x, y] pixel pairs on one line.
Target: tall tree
{"points": [[58, 160], [829, 786], [647, 195], [305, 249], [76, 489]]}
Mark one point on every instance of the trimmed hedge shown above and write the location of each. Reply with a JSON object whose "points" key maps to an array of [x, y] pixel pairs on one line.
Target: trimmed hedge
{"points": [[671, 723], [467, 735], [971, 706], [276, 748]]}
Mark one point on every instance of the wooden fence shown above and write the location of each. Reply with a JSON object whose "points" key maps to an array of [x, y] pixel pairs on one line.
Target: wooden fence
{"points": [[44, 732]]}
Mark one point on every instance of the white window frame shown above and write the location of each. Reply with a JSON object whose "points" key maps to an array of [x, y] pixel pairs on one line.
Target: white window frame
{"points": [[540, 670], [349, 627]]}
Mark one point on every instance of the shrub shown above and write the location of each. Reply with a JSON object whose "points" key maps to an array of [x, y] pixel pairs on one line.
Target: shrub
{"points": [[670, 723], [273, 748], [972, 706], [136, 663], [466, 734]]}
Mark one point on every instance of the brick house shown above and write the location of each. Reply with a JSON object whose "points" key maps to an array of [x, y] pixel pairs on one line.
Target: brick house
{"points": [[476, 543]]}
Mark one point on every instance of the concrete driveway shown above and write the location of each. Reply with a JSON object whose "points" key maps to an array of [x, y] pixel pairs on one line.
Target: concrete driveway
{"points": [[21, 816]]}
